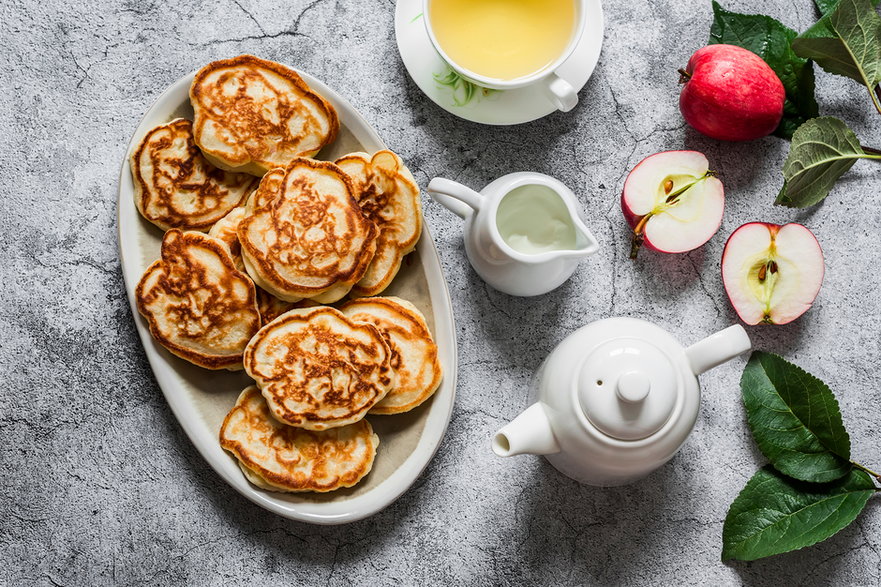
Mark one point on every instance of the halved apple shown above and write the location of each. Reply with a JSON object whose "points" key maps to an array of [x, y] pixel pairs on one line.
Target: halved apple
{"points": [[772, 273], [672, 202]]}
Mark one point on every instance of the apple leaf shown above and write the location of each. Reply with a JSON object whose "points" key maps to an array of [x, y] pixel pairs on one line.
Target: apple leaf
{"points": [[826, 6], [847, 42], [774, 514], [771, 41], [822, 150], [795, 420]]}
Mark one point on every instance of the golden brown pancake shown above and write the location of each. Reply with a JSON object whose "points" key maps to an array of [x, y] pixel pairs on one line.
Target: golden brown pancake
{"points": [[197, 304], [388, 196], [271, 307], [303, 235], [317, 369], [176, 187], [278, 457], [226, 230], [414, 352], [253, 115]]}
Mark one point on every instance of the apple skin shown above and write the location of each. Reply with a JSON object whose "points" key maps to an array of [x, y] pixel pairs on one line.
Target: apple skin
{"points": [[808, 283], [648, 174], [731, 94]]}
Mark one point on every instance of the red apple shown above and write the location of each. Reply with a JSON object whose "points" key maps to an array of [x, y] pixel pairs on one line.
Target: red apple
{"points": [[772, 273], [731, 94], [672, 202]]}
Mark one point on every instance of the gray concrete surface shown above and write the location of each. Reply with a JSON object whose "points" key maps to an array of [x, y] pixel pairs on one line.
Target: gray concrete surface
{"points": [[100, 484]]}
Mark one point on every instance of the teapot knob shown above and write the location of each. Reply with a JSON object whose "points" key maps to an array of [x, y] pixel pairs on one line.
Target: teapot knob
{"points": [[633, 387]]}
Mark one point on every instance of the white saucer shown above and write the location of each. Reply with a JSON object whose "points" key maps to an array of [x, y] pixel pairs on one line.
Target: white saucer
{"points": [[426, 67]]}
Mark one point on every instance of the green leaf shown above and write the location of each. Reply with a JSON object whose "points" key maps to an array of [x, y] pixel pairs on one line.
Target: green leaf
{"points": [[771, 41], [822, 150], [847, 42], [826, 6], [795, 420], [775, 514]]}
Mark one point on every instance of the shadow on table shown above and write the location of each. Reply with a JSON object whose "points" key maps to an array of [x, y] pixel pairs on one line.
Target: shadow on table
{"points": [[606, 534], [285, 543], [783, 339]]}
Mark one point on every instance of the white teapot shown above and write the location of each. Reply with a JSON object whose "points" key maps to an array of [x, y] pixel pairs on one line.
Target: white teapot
{"points": [[616, 400]]}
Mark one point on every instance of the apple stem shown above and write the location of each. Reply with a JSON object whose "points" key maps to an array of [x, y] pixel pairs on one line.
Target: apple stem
{"points": [[638, 236], [684, 76], [635, 244]]}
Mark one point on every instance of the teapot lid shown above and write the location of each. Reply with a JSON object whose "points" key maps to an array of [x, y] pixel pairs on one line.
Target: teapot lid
{"points": [[628, 388]]}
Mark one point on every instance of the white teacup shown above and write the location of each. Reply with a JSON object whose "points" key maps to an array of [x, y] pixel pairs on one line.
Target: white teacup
{"points": [[559, 91]]}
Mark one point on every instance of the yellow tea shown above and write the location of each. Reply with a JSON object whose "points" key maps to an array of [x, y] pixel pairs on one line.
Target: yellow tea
{"points": [[503, 39]]}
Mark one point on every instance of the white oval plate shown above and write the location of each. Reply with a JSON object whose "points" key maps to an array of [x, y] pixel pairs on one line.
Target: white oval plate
{"points": [[200, 398]]}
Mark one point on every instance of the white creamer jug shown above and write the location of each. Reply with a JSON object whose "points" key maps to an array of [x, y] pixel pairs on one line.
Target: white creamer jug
{"points": [[522, 234]]}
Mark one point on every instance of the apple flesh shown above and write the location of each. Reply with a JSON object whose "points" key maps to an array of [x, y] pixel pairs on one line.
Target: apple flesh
{"points": [[731, 94], [672, 202], [772, 273]]}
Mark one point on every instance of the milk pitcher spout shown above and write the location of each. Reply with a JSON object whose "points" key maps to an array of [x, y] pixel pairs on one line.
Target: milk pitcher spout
{"points": [[585, 244]]}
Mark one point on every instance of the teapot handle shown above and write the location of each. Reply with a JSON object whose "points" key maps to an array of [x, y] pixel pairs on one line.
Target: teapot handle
{"points": [[717, 349], [455, 197]]}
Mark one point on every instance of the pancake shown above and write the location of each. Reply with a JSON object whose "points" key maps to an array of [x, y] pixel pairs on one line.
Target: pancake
{"points": [[317, 369], [414, 352], [197, 304], [176, 187], [303, 234], [278, 457], [225, 229], [388, 195], [253, 115], [271, 307]]}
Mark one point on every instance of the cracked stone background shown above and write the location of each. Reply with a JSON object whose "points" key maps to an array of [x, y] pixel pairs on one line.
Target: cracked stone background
{"points": [[100, 484]]}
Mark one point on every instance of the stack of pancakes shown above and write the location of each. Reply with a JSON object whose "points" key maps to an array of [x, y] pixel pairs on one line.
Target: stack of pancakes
{"points": [[285, 234]]}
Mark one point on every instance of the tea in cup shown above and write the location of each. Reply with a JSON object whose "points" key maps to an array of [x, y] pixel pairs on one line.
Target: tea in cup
{"points": [[507, 44]]}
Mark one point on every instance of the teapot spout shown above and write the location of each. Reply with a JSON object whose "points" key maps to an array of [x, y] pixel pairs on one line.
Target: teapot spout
{"points": [[528, 433], [717, 349]]}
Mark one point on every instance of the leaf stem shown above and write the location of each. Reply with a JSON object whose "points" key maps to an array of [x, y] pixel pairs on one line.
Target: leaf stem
{"points": [[870, 150], [866, 470], [877, 98]]}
